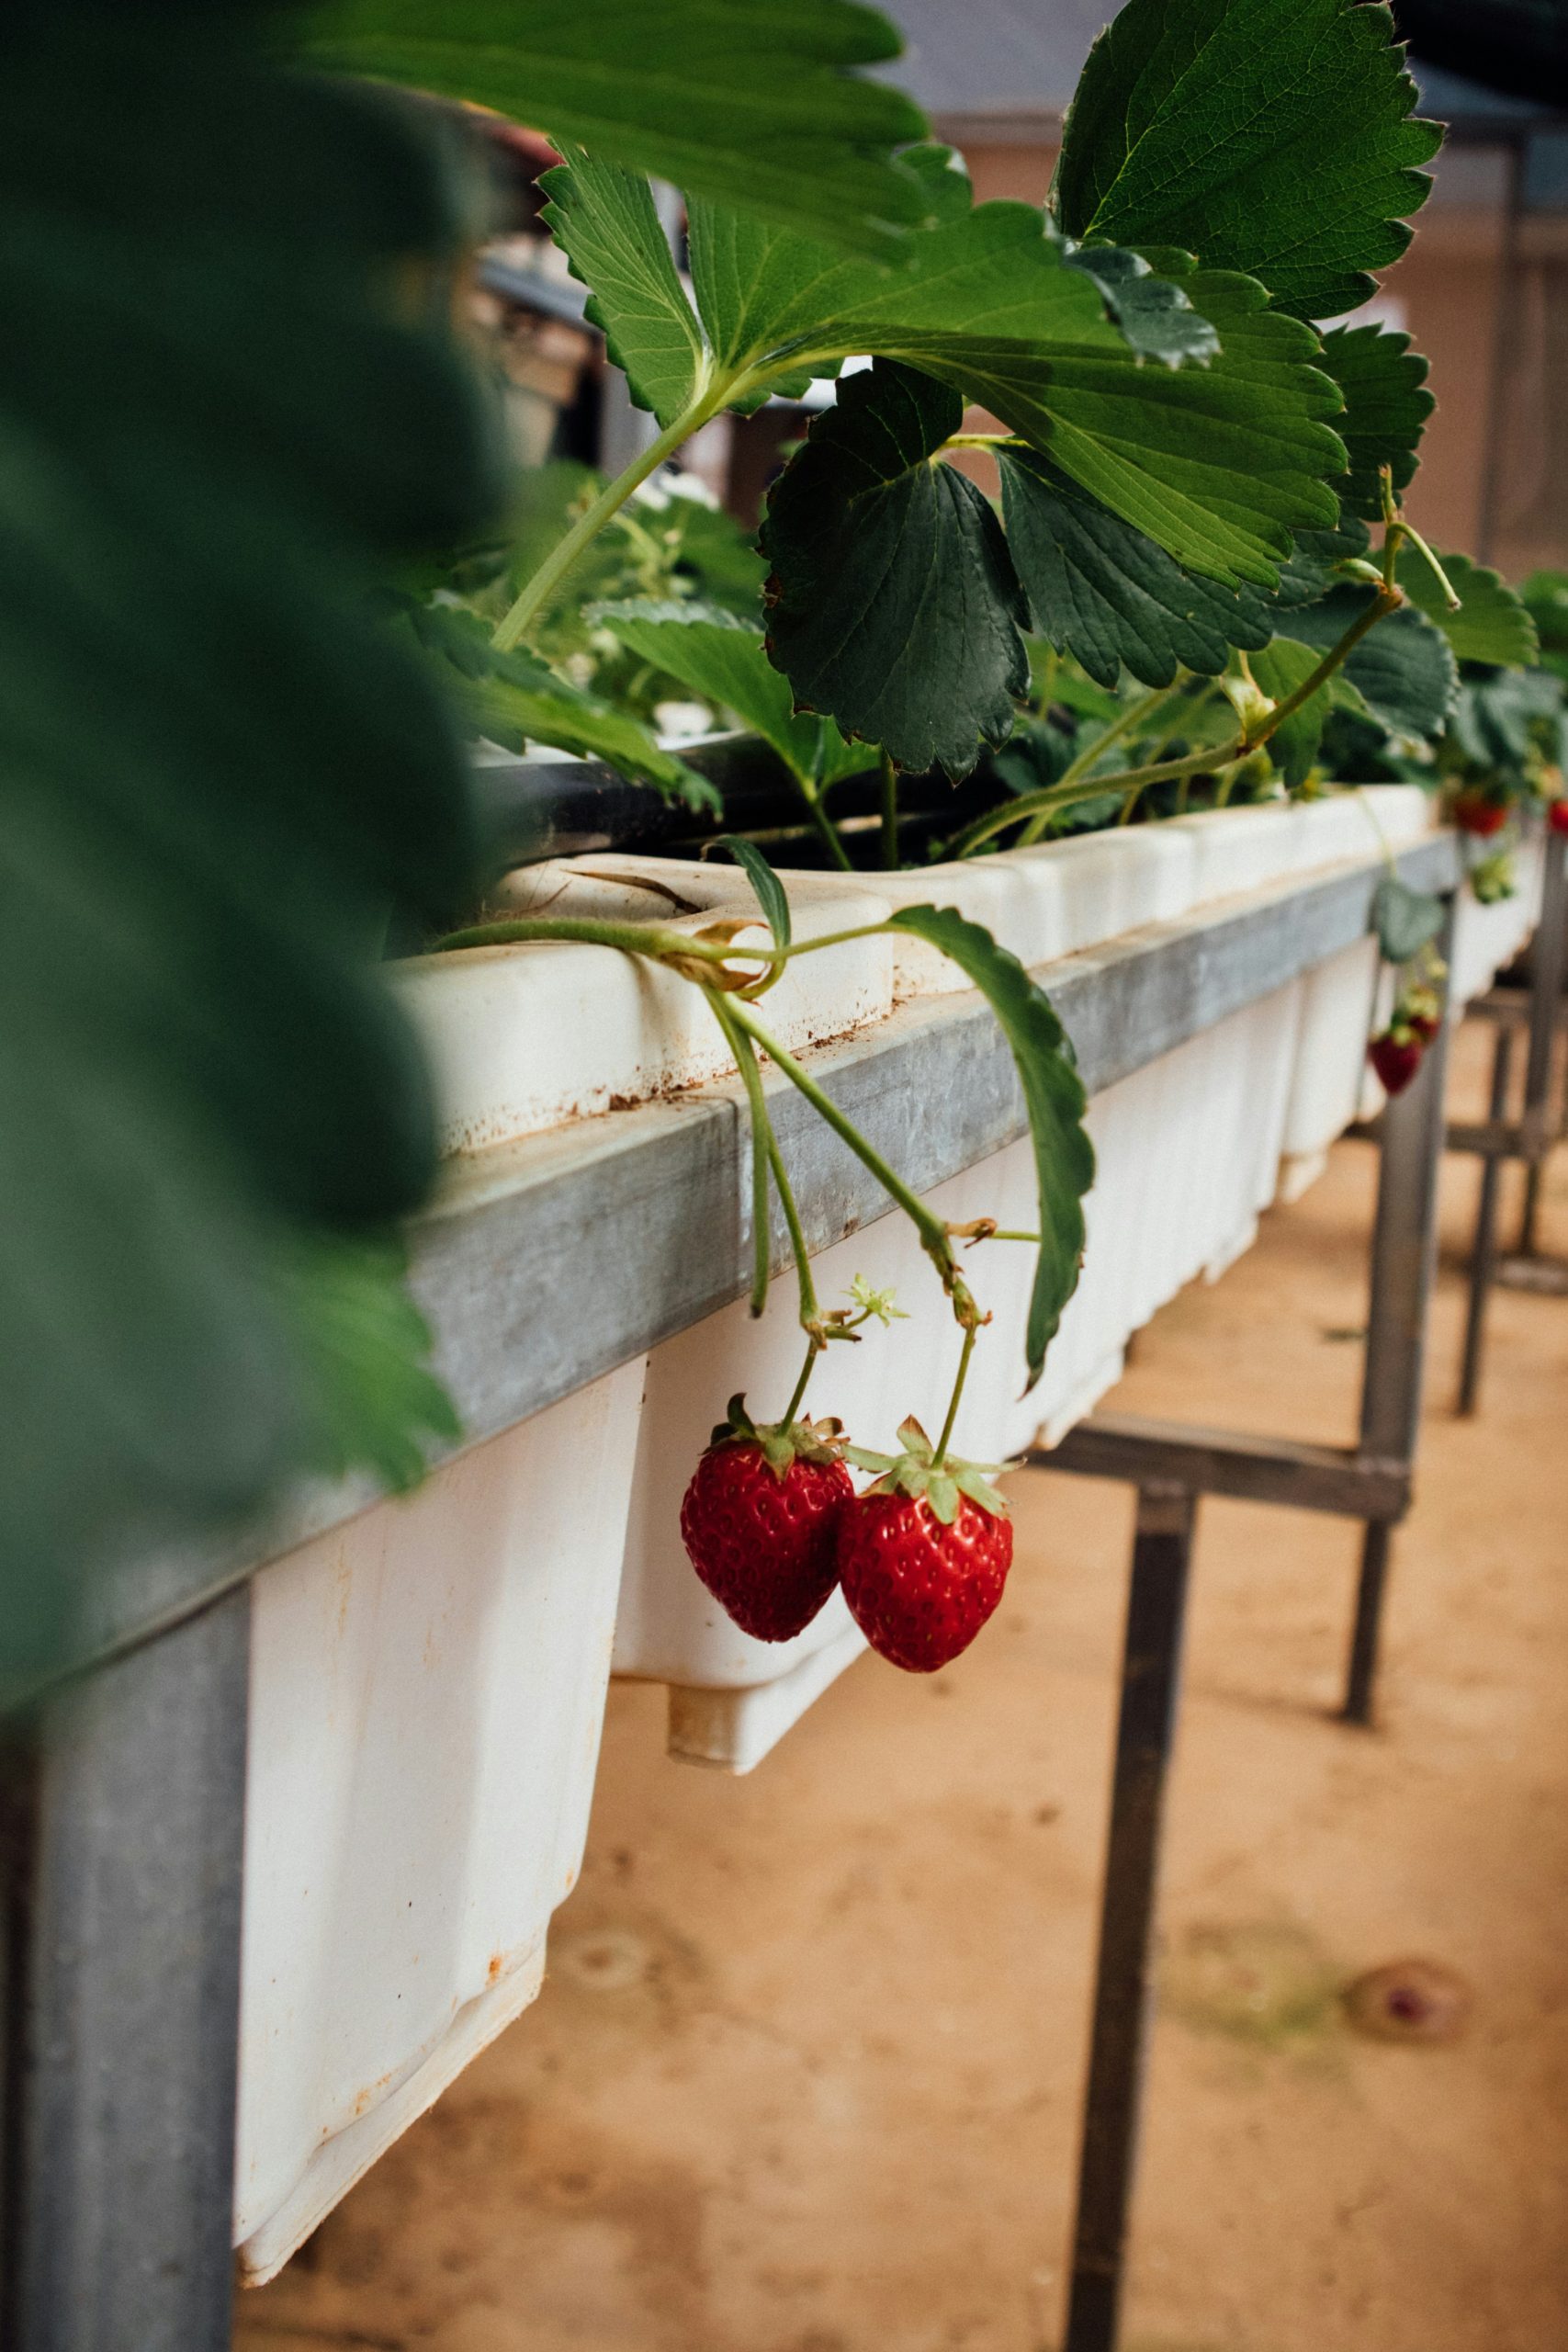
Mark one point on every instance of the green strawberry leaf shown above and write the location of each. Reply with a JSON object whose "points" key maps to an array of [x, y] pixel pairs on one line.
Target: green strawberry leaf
{"points": [[765, 881], [1310, 569], [372, 1397], [224, 420], [1497, 721], [1106, 593], [1221, 465], [1153, 312], [892, 606], [1493, 623], [1386, 408], [722, 659], [1267, 139], [988, 275], [514, 699], [1280, 669], [1546, 596], [759, 106], [1403, 669], [1054, 1097], [1404, 918], [604, 222]]}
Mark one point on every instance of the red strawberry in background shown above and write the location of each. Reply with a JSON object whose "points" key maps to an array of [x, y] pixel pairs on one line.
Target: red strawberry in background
{"points": [[759, 1518], [1557, 815], [1395, 1059], [923, 1555], [1473, 812]]}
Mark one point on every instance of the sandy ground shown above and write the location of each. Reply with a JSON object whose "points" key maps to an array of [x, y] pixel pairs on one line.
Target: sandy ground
{"points": [[805, 2074]]}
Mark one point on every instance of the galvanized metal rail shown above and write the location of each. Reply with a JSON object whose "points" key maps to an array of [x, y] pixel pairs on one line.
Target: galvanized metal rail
{"points": [[124, 1816]]}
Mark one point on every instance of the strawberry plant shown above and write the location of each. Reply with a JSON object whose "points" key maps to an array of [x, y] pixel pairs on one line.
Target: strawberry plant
{"points": [[1176, 585]]}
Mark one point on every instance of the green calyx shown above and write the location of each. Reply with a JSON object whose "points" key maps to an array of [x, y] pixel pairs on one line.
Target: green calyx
{"points": [[784, 1443], [916, 1472]]}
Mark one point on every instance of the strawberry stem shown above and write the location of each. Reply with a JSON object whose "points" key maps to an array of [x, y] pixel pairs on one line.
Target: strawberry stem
{"points": [[762, 1135], [889, 843], [793, 1407], [940, 1456], [930, 1229], [766, 1156]]}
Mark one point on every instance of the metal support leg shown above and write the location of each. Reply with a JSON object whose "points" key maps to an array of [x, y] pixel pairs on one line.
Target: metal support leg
{"points": [[1546, 1008], [119, 1949], [1483, 1254], [1405, 1255], [1151, 1678]]}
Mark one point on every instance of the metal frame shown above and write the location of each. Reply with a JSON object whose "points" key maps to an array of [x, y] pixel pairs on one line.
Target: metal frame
{"points": [[123, 1812], [124, 1831], [1531, 1137], [1172, 1466]]}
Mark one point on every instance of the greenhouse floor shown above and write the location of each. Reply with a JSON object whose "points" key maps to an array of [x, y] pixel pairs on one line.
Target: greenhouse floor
{"points": [[805, 2074]]}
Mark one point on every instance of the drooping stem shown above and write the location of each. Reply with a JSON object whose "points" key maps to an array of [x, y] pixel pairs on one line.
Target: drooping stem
{"points": [[932, 1232], [762, 1135], [793, 1407], [1408, 531], [513, 625], [766, 1158], [810, 1316], [945, 1439], [889, 812]]}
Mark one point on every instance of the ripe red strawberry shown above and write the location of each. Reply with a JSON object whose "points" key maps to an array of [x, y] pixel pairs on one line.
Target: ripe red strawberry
{"points": [[1557, 815], [759, 1518], [923, 1555], [1395, 1059], [1474, 813]]}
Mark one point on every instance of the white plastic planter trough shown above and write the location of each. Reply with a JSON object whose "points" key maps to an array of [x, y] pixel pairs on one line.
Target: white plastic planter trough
{"points": [[429, 1679]]}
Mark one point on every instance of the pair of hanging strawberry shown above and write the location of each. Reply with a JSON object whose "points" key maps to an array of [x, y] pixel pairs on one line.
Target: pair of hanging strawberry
{"points": [[1474, 810], [1395, 1052], [773, 1523]]}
